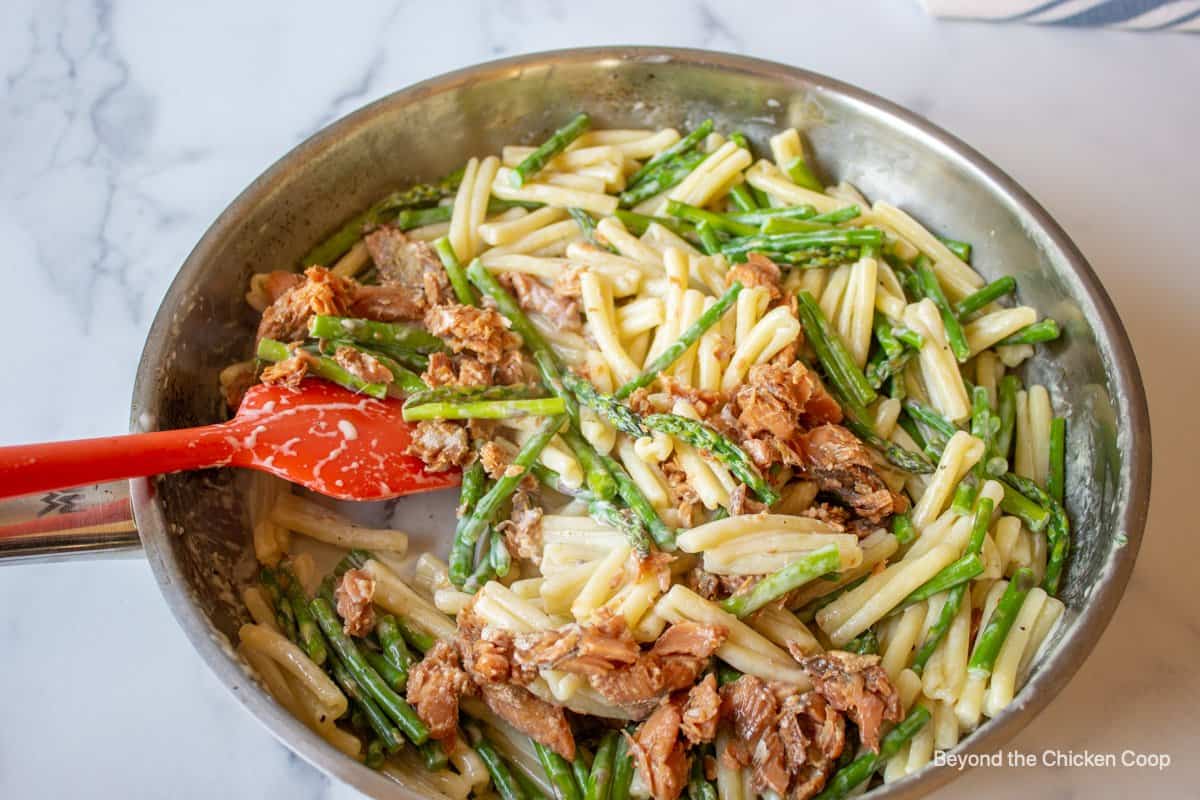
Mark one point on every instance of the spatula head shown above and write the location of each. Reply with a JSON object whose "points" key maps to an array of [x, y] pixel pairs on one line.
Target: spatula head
{"points": [[332, 441]]}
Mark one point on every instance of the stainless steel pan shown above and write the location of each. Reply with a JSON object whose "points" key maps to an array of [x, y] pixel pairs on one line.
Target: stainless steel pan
{"points": [[192, 526]]}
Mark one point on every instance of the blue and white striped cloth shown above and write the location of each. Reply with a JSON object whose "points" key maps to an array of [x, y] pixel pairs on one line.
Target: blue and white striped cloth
{"points": [[1136, 15]]}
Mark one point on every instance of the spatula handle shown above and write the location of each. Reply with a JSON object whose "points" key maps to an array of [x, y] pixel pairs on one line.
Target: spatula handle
{"points": [[29, 468]]}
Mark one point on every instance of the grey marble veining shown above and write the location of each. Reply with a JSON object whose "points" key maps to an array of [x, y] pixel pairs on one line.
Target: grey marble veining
{"points": [[125, 128]]}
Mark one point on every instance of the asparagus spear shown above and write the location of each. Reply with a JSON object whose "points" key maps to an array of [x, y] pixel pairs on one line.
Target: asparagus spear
{"points": [[1056, 480], [307, 631], [434, 756], [762, 215], [1006, 408], [1058, 526], [484, 570], [368, 679], [558, 772], [403, 378], [664, 535], [622, 770], [940, 628], [378, 721], [704, 437], [613, 410], [471, 394], [543, 356], [798, 170], [375, 755], [862, 768], [689, 337], [550, 148], [933, 290], [809, 611], [662, 179], [499, 557], [480, 516], [933, 423], [418, 217], [503, 779], [719, 222], [599, 783], [1045, 331], [698, 787], [961, 249], [684, 145], [454, 271], [392, 676], [389, 337], [799, 241], [865, 644], [485, 409], [742, 199], [840, 215], [989, 640], [726, 674], [416, 638], [1035, 516], [581, 768], [710, 243], [638, 223], [832, 352], [392, 642], [961, 571], [322, 367], [285, 616], [902, 529], [856, 422], [812, 565], [988, 294], [344, 237]]}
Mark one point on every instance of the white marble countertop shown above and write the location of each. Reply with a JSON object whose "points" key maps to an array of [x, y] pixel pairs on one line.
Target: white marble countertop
{"points": [[125, 127]]}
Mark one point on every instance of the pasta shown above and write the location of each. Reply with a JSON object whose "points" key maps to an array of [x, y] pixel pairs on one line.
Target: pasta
{"points": [[731, 443]]}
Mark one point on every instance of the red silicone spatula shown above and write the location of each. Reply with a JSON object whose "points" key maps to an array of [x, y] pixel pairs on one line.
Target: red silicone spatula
{"points": [[321, 436]]}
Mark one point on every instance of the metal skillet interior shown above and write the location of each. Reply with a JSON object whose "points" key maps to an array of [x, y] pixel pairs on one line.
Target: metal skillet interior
{"points": [[194, 527]]}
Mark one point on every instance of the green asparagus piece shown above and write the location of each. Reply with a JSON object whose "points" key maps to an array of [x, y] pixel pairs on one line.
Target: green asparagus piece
{"points": [[960, 571], [933, 290], [862, 768], [940, 627], [902, 529], [471, 394], [698, 787], [989, 640], [581, 769], [390, 337], [550, 148], [454, 271], [663, 534], [483, 571], [587, 225], [1045, 331], [392, 704], [344, 237], [1035, 516], [355, 559], [886, 336], [485, 409], [704, 437], [610, 408], [477, 520], [964, 496], [309, 635], [285, 615], [689, 337], [503, 779], [375, 755], [960, 249], [932, 422], [988, 294], [1056, 480], [832, 353], [742, 198], [532, 790], [739, 138], [798, 241], [392, 642], [434, 756], [980, 524], [762, 215], [599, 783], [638, 223], [809, 611], [812, 565], [812, 258], [840, 215], [1057, 525], [719, 222], [622, 770], [667, 177], [392, 676], [543, 356], [726, 674], [710, 243], [411, 218], [865, 644], [322, 367], [684, 145], [403, 378], [378, 721], [501, 559], [1006, 408], [798, 170], [558, 772], [415, 637], [623, 520], [856, 421], [600, 482]]}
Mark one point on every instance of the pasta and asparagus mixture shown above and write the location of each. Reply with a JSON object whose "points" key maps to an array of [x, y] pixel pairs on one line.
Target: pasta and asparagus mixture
{"points": [[752, 503]]}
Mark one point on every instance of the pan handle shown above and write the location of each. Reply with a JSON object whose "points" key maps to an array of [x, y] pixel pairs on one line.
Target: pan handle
{"points": [[48, 526]]}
